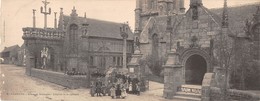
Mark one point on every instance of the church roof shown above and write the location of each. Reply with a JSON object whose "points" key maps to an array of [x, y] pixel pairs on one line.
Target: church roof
{"points": [[101, 28], [11, 48], [159, 24], [237, 16]]}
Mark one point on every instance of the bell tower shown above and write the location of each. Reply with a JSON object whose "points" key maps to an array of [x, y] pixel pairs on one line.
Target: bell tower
{"points": [[152, 8]]}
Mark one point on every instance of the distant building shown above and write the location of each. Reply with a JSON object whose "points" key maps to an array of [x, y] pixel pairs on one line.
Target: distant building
{"points": [[10, 54], [22, 56]]}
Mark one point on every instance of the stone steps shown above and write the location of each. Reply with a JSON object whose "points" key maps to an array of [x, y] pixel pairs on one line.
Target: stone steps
{"points": [[186, 98], [187, 94]]}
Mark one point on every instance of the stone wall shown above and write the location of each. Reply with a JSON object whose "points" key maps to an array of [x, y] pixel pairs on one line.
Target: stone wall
{"points": [[61, 79], [237, 95]]}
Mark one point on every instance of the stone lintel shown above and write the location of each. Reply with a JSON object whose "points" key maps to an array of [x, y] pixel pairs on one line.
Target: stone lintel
{"points": [[172, 66], [133, 64]]}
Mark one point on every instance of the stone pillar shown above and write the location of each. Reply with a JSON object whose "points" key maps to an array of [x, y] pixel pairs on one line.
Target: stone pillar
{"points": [[124, 33], [30, 63], [208, 81], [136, 70], [34, 24], [182, 8], [61, 20], [55, 20], [138, 11], [172, 75]]}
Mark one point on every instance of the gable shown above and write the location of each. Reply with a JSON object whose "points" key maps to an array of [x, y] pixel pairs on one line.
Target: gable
{"points": [[100, 28], [203, 29]]}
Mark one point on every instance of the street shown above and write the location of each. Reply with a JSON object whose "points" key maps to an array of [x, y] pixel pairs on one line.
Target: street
{"points": [[16, 86]]}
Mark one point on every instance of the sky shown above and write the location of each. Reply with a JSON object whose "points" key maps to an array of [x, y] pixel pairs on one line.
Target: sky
{"points": [[18, 13]]}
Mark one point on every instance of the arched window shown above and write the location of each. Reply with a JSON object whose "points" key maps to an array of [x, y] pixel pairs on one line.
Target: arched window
{"points": [[72, 38], [155, 44], [91, 62]]}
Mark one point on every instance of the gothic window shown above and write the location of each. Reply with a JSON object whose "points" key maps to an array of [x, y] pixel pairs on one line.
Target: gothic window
{"points": [[195, 13], [118, 61], [114, 60], [155, 44], [121, 61], [91, 60], [72, 38], [103, 62]]}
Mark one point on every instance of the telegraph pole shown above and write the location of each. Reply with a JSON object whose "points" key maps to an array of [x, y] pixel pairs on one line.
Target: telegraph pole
{"points": [[4, 33], [45, 12]]}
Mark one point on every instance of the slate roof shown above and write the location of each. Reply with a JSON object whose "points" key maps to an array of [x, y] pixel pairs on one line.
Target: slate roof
{"points": [[158, 24], [11, 48], [237, 16], [101, 28]]}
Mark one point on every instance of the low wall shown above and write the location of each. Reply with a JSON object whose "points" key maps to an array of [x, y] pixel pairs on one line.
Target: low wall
{"points": [[61, 79], [234, 95]]}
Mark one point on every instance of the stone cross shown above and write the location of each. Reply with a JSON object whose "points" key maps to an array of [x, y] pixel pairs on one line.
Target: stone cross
{"points": [[45, 12], [124, 33]]}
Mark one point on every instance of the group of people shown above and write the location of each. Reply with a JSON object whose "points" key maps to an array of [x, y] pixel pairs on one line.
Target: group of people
{"points": [[116, 85], [124, 86]]}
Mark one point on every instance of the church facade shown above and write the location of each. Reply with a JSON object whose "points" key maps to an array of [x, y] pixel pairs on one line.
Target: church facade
{"points": [[192, 43], [191, 33]]}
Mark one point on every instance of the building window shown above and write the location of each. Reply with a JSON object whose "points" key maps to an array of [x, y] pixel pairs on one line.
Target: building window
{"points": [[91, 60], [118, 61], [114, 60], [103, 62], [72, 38]]}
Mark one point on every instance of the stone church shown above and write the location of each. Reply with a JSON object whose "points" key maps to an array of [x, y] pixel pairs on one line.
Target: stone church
{"points": [[77, 43], [188, 44], [163, 25]]}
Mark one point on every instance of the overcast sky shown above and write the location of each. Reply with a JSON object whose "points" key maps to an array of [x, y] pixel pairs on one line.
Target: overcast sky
{"points": [[18, 13]]}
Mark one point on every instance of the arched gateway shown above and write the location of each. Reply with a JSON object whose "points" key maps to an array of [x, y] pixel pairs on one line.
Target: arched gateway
{"points": [[195, 68], [196, 63]]}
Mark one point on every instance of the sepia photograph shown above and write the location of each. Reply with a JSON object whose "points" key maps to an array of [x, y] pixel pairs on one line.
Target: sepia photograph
{"points": [[130, 50]]}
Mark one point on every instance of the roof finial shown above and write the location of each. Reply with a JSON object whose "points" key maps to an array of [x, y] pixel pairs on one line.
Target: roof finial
{"points": [[85, 15], [225, 15], [73, 13]]}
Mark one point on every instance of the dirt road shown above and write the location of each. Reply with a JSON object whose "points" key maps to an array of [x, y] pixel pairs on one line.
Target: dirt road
{"points": [[16, 86]]}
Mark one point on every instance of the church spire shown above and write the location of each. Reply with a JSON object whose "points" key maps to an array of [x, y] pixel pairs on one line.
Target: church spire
{"points": [[225, 15]]}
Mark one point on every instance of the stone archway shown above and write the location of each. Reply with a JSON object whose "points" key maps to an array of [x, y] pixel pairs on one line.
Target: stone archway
{"points": [[47, 58], [196, 63], [195, 69]]}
